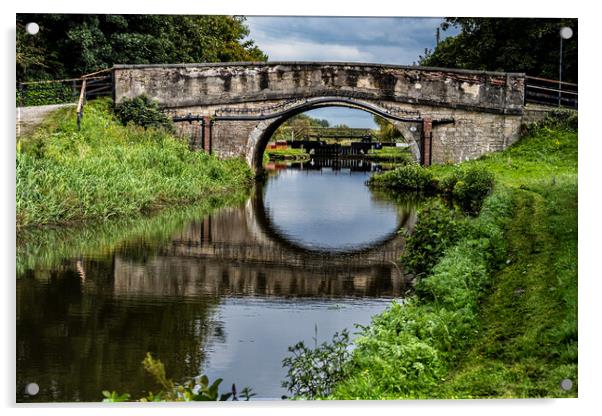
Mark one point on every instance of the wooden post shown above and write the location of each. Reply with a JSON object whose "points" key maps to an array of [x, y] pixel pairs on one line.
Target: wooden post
{"points": [[80, 104], [427, 141], [207, 134]]}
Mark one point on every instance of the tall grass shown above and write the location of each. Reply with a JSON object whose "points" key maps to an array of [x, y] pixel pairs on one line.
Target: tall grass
{"points": [[107, 170]]}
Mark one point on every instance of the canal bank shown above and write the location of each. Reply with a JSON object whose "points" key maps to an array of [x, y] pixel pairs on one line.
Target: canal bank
{"points": [[107, 170], [497, 315]]}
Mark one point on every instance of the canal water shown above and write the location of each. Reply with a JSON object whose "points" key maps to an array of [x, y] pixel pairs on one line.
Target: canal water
{"points": [[311, 251]]}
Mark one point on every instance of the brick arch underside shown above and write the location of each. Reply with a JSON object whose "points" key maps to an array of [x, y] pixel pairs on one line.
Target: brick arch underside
{"points": [[263, 131]]}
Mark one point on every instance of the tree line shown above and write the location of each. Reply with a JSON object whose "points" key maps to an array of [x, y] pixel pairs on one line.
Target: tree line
{"points": [[69, 45], [529, 45]]}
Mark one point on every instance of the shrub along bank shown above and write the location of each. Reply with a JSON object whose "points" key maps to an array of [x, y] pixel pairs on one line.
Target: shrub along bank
{"points": [[108, 170], [496, 316]]}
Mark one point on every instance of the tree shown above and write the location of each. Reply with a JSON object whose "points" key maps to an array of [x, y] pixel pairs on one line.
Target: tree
{"points": [[507, 44], [387, 132], [69, 45], [299, 125]]}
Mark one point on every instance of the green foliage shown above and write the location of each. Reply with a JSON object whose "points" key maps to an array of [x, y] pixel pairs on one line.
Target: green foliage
{"points": [[401, 155], [113, 397], [144, 112], [507, 44], [558, 119], [69, 45], [44, 94], [107, 170], [437, 229], [412, 177], [467, 185], [387, 132], [312, 373], [408, 350], [197, 390], [473, 184]]}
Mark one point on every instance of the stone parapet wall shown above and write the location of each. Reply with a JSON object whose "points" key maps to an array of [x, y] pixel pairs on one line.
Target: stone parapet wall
{"points": [[215, 84]]}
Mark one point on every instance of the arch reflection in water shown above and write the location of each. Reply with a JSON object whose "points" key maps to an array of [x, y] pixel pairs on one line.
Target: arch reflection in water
{"points": [[226, 295]]}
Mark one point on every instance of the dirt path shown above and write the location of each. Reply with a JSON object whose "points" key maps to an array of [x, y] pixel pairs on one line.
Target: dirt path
{"points": [[28, 118]]}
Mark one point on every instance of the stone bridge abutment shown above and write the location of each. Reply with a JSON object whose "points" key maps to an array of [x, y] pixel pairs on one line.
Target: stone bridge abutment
{"points": [[232, 109]]}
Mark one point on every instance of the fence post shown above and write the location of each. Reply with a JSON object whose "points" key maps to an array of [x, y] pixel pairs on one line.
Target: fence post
{"points": [[80, 104]]}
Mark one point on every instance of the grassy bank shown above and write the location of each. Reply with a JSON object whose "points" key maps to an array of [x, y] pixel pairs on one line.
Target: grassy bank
{"points": [[497, 315], [287, 154], [391, 154], [107, 170]]}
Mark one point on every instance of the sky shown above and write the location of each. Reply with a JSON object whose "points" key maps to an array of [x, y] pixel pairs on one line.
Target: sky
{"points": [[384, 40]]}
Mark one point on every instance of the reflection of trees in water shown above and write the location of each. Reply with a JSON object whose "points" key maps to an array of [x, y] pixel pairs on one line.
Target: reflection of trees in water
{"points": [[77, 337], [406, 202], [48, 247]]}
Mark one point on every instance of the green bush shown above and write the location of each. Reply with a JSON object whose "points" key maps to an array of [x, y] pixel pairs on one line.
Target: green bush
{"points": [[142, 111], [448, 182], [312, 373], [411, 177], [438, 228], [471, 187]]}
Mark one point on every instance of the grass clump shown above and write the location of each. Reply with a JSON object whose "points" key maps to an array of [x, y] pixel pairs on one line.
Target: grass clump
{"points": [[412, 177], [468, 187], [391, 154], [108, 170], [287, 154]]}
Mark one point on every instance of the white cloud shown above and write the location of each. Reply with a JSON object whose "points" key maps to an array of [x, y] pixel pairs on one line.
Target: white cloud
{"points": [[378, 40], [296, 50]]}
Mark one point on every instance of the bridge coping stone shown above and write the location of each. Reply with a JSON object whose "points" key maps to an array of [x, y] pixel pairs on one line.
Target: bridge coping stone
{"points": [[320, 63]]}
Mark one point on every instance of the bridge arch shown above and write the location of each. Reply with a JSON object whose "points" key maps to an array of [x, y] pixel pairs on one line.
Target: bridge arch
{"points": [[263, 131], [230, 109]]}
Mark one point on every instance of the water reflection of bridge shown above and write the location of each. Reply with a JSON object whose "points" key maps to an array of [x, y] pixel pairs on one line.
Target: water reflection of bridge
{"points": [[238, 251]]}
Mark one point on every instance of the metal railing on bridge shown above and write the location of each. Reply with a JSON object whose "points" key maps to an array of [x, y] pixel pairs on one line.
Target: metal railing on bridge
{"points": [[326, 132], [551, 92]]}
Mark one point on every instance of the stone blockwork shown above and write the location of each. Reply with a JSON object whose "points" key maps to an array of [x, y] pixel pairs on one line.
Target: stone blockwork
{"points": [[247, 102]]}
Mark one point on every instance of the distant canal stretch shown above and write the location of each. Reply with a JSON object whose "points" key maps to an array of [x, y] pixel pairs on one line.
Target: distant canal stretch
{"points": [[225, 295]]}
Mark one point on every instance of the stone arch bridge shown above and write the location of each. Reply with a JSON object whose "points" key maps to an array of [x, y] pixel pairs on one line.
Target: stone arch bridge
{"points": [[232, 109]]}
